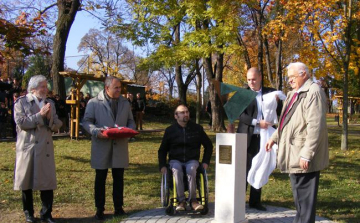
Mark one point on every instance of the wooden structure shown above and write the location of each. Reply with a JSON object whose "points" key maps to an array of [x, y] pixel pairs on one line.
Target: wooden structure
{"points": [[78, 81], [352, 101]]}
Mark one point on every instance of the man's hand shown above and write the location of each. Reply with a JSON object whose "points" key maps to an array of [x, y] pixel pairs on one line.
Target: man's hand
{"points": [[269, 145], [230, 128], [48, 115], [205, 166], [277, 98], [101, 135], [44, 110], [264, 124], [304, 164], [163, 170]]}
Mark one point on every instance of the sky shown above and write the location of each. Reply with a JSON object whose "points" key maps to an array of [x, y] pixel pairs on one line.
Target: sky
{"points": [[82, 24]]}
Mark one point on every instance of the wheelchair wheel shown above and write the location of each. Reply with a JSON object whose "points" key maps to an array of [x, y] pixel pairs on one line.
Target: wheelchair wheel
{"points": [[204, 192], [165, 192], [205, 210], [170, 210]]}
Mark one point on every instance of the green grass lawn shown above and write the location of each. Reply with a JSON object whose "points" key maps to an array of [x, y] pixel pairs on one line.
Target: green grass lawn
{"points": [[338, 197]]}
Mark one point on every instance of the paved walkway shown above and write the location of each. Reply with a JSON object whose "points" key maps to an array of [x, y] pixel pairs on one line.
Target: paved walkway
{"points": [[272, 215]]}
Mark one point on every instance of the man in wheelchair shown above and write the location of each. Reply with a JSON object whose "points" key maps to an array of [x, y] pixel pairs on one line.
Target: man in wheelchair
{"points": [[182, 141]]}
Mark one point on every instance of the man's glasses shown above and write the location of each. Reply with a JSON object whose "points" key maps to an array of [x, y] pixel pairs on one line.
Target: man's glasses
{"points": [[293, 77], [182, 112]]}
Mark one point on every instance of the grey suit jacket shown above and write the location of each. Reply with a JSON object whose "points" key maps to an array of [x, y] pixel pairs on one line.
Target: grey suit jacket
{"points": [[107, 153]]}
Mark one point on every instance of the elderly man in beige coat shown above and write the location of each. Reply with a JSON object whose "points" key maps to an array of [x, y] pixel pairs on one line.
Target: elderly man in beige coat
{"points": [[36, 119], [302, 140], [107, 109]]}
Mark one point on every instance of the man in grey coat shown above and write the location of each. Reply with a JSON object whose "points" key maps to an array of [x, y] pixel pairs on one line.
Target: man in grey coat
{"points": [[107, 109], [36, 119], [302, 140]]}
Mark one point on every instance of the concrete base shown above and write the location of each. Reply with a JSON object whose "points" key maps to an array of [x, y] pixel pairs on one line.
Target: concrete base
{"points": [[230, 178], [244, 221]]}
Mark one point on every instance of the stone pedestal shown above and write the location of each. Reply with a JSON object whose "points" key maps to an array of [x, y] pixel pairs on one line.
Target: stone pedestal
{"points": [[230, 178]]}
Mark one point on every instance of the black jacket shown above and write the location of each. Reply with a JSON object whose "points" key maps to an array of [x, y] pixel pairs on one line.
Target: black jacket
{"points": [[183, 144], [250, 113], [139, 105]]}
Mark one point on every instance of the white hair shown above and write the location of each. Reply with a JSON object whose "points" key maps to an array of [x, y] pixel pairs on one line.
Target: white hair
{"points": [[299, 67], [35, 81], [109, 79]]}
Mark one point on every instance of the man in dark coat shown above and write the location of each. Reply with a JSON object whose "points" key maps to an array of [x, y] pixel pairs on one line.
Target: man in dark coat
{"points": [[250, 122]]}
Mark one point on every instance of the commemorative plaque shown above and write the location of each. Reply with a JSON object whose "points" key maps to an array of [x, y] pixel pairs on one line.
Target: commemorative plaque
{"points": [[225, 154]]}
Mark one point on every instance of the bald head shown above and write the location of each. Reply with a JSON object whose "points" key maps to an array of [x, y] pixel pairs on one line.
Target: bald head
{"points": [[253, 77]]}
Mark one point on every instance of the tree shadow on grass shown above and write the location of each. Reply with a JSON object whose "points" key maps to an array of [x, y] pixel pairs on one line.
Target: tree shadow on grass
{"points": [[76, 159], [347, 210], [141, 169], [280, 176], [149, 137]]}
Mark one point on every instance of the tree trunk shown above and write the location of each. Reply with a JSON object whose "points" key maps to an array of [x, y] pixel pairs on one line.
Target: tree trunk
{"points": [[278, 66], [245, 51], [207, 63], [171, 86], [217, 114], [178, 73], [357, 60], [268, 63], [347, 40], [66, 17], [182, 88], [198, 92], [344, 135], [260, 43], [220, 126]]}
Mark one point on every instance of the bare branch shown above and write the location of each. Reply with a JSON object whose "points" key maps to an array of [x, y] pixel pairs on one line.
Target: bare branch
{"points": [[47, 8], [327, 50]]}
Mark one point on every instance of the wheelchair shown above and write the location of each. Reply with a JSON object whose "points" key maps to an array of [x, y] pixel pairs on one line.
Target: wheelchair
{"points": [[169, 196]]}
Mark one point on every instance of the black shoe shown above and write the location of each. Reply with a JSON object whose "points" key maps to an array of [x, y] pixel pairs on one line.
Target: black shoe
{"points": [[29, 217], [48, 219], [119, 212], [100, 215], [258, 207]]}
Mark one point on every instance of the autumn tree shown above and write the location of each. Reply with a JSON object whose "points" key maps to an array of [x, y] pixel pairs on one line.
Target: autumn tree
{"points": [[329, 30], [107, 55], [38, 64], [34, 20]]}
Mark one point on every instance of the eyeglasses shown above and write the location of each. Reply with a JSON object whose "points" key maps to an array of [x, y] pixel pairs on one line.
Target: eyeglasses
{"points": [[182, 112], [293, 77]]}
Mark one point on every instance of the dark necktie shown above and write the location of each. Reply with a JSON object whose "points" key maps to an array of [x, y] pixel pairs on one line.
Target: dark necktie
{"points": [[114, 105], [287, 109]]}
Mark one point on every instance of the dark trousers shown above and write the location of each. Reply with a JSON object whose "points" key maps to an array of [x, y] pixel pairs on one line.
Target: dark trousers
{"points": [[305, 187], [13, 126], [3, 129], [252, 151], [118, 188], [47, 198]]}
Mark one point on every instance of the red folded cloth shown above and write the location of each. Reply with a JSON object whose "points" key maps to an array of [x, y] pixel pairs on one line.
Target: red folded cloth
{"points": [[120, 132]]}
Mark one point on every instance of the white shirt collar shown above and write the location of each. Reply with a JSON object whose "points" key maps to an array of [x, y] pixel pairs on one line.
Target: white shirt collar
{"points": [[40, 104], [298, 91]]}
